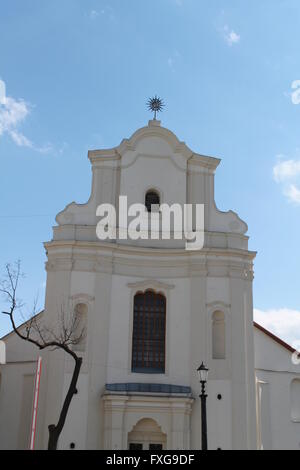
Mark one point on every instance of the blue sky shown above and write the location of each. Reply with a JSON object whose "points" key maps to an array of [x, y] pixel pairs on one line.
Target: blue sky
{"points": [[77, 76]]}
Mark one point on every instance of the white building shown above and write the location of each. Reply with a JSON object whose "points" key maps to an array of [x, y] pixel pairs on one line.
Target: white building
{"points": [[153, 312]]}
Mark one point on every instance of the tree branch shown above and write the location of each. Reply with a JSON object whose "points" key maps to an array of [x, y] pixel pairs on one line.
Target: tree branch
{"points": [[43, 338]]}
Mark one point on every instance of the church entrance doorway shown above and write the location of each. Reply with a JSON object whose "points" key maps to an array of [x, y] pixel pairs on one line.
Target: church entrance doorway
{"points": [[147, 435]]}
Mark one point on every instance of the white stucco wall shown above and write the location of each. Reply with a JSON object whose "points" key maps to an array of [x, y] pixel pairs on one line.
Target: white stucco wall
{"points": [[16, 393], [275, 373]]}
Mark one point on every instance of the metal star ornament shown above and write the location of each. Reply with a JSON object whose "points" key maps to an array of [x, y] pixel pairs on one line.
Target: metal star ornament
{"points": [[156, 105]]}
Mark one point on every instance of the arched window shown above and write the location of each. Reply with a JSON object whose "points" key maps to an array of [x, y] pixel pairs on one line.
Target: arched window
{"points": [[152, 199], [218, 336], [149, 333], [81, 314]]}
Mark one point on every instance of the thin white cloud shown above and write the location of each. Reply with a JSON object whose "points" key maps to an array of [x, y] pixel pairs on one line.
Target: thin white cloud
{"points": [[292, 192], [295, 95], [170, 62], [2, 92], [63, 148], [94, 14], [13, 113], [107, 11], [230, 36], [173, 59], [286, 172], [284, 323], [20, 139]]}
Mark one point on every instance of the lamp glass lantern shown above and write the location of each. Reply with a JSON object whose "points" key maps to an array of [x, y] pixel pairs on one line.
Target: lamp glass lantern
{"points": [[203, 373]]}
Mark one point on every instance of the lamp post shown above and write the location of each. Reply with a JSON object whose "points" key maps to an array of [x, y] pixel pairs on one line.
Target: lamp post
{"points": [[203, 375]]}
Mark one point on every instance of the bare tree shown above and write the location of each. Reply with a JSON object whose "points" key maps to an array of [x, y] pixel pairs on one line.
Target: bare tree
{"points": [[36, 332]]}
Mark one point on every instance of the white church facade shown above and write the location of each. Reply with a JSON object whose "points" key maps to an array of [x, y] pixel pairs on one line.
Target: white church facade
{"points": [[153, 311]]}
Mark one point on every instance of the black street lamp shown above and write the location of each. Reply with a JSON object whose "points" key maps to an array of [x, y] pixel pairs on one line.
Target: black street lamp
{"points": [[203, 375]]}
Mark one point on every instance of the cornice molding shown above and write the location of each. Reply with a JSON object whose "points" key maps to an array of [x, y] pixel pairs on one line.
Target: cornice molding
{"points": [[218, 305], [83, 297], [150, 283], [150, 267], [110, 249]]}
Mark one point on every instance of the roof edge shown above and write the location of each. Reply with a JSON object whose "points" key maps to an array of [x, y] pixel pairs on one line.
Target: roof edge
{"points": [[21, 326], [275, 338]]}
